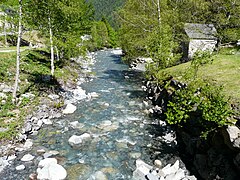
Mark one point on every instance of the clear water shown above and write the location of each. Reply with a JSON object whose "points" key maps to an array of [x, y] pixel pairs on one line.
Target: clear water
{"points": [[113, 148]]}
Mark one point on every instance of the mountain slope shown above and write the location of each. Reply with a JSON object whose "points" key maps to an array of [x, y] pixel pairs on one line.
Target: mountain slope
{"points": [[106, 8]]}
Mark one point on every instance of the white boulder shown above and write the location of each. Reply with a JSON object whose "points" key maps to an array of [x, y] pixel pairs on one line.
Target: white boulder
{"points": [[50, 170], [77, 140], [27, 157], [70, 108]]}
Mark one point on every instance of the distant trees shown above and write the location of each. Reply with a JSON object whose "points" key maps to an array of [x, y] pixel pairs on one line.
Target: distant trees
{"points": [[147, 30], [107, 9], [224, 14], [155, 28], [103, 35]]}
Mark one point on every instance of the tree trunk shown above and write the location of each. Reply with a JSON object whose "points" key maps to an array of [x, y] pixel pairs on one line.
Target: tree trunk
{"points": [[51, 44], [159, 12], [18, 51], [5, 31], [57, 53]]}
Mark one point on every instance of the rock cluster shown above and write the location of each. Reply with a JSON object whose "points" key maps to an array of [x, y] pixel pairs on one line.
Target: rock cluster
{"points": [[170, 172], [49, 169], [219, 157]]}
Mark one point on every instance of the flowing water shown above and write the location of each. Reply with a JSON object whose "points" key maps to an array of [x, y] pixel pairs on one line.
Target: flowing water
{"points": [[114, 119]]}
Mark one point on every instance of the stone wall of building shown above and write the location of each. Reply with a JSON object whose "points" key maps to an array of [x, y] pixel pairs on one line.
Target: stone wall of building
{"points": [[200, 45]]}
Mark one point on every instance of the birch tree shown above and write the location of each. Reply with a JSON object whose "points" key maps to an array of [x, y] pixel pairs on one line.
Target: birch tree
{"points": [[63, 20], [45, 16], [18, 51], [148, 30]]}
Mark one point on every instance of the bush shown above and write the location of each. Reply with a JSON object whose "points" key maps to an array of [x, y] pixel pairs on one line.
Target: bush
{"points": [[200, 104]]}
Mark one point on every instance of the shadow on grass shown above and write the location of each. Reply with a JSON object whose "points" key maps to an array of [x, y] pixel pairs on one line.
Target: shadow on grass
{"points": [[43, 83], [43, 57]]}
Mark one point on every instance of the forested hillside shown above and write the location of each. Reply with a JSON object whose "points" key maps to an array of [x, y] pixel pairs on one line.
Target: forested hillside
{"points": [[106, 9]]}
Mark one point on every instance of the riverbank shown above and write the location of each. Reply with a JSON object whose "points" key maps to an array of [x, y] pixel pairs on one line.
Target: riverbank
{"points": [[218, 155], [52, 99]]}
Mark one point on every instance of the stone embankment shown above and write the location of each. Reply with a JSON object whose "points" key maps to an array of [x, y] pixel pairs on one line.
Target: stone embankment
{"points": [[157, 172], [215, 158]]}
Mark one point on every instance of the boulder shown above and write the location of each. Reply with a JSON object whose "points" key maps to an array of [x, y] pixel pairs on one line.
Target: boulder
{"points": [[232, 137], [158, 163], [76, 125], [50, 170], [78, 140], [171, 169], [28, 144], [53, 96], [27, 127], [180, 174], [27, 157], [47, 121], [79, 94], [99, 175], [70, 108], [47, 162], [141, 171]]}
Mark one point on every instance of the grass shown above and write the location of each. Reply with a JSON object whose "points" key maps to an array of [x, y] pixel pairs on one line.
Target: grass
{"points": [[34, 69], [225, 71], [12, 48]]}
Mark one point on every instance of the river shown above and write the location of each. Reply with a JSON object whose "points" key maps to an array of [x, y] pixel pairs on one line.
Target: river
{"points": [[115, 119]]}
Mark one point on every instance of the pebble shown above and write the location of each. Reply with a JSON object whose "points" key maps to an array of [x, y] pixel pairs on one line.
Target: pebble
{"points": [[158, 163], [20, 167], [47, 121]]}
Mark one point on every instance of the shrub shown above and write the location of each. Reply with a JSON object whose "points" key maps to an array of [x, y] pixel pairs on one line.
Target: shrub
{"points": [[200, 104]]}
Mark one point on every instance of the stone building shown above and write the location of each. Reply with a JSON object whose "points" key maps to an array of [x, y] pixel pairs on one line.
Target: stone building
{"points": [[201, 37]]}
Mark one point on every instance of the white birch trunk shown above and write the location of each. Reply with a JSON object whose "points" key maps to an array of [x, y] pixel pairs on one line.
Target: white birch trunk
{"points": [[51, 45], [57, 53], [5, 30], [18, 51], [159, 12]]}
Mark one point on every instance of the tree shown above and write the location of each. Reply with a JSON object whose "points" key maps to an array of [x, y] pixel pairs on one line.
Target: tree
{"points": [[100, 35], [112, 34], [18, 51], [64, 20], [148, 29], [44, 15], [107, 9]]}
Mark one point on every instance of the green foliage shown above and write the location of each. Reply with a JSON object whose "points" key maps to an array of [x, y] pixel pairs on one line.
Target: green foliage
{"points": [[58, 104], [162, 48], [107, 9], [200, 58], [200, 104], [100, 34], [68, 19], [103, 35]]}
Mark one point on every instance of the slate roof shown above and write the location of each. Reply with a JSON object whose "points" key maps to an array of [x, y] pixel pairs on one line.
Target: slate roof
{"points": [[200, 31]]}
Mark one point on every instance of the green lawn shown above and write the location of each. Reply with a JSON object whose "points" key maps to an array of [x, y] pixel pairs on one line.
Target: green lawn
{"points": [[12, 48], [225, 70]]}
